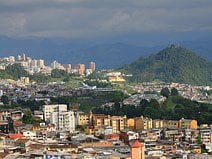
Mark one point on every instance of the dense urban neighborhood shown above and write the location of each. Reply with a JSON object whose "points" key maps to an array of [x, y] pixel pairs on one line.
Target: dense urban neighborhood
{"points": [[89, 113]]}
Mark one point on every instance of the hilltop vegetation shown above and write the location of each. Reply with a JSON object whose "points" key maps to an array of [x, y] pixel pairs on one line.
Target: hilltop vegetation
{"points": [[14, 71], [172, 64]]}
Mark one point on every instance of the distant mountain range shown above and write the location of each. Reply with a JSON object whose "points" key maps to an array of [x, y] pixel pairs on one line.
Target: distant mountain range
{"points": [[106, 56], [172, 64]]}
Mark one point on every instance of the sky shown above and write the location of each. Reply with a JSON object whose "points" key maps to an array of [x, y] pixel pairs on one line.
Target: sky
{"points": [[104, 18]]}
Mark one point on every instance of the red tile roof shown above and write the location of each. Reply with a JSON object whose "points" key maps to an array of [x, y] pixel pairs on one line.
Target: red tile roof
{"points": [[137, 144], [15, 136]]}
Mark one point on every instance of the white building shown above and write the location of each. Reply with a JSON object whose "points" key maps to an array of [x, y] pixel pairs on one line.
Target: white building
{"points": [[206, 135], [63, 120], [57, 65], [30, 134], [49, 109], [58, 115]]}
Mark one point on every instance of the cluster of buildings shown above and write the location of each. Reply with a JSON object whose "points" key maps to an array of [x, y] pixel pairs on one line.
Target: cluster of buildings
{"points": [[69, 133], [135, 99], [23, 90], [38, 66], [188, 91]]}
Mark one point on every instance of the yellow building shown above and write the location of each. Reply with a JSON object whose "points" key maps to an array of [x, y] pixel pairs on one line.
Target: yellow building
{"points": [[131, 123], [174, 124], [187, 124], [83, 119], [100, 120], [24, 80], [157, 123], [117, 123], [116, 79]]}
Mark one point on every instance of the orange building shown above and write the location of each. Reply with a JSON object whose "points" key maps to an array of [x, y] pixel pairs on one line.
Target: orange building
{"points": [[81, 69], [187, 124], [137, 150], [68, 68], [131, 123]]}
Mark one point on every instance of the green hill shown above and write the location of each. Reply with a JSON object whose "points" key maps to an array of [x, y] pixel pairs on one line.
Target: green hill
{"points": [[172, 64]]}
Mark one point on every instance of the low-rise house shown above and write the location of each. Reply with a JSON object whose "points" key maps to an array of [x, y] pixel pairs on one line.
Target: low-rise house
{"points": [[4, 127], [63, 148], [112, 137], [128, 135], [38, 114], [23, 143], [30, 134], [173, 135], [17, 115]]}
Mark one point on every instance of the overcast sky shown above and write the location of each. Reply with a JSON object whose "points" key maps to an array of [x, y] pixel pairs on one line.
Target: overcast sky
{"points": [[96, 18]]}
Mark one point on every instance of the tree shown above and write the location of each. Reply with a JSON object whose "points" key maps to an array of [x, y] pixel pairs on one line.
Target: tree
{"points": [[154, 104], [5, 99], [174, 92], [16, 71], [27, 118], [56, 73], [66, 79], [165, 92]]}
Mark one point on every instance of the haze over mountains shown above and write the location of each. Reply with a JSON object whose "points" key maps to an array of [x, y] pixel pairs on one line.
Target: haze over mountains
{"points": [[106, 54]]}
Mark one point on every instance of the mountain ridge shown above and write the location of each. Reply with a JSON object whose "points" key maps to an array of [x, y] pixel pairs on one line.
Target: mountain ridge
{"points": [[106, 54], [172, 64]]}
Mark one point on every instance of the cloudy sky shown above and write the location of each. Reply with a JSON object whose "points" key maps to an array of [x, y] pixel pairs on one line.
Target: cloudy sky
{"points": [[96, 18]]}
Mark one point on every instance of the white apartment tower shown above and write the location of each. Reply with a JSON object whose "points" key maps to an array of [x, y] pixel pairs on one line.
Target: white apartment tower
{"points": [[49, 109], [64, 120], [58, 114]]}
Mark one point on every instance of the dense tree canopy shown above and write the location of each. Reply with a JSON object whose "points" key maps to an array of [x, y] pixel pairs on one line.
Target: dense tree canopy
{"points": [[165, 92], [174, 92], [16, 71]]}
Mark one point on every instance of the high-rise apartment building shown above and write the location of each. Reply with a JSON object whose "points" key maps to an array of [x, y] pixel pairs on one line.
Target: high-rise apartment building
{"points": [[92, 66], [33, 64], [40, 63], [117, 123], [49, 109], [81, 69], [67, 68], [23, 57], [63, 120], [58, 115]]}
